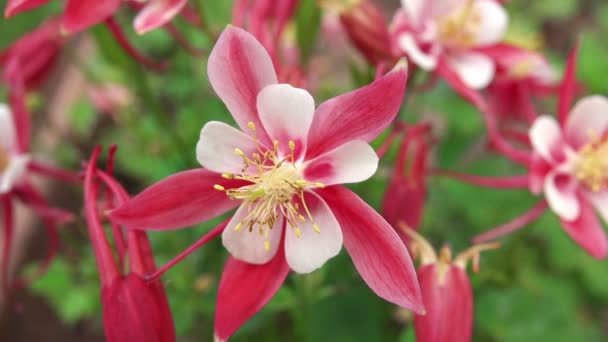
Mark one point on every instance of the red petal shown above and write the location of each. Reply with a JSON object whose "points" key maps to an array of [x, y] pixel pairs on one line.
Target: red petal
{"points": [[359, 115], [81, 14], [238, 68], [568, 87], [178, 201], [587, 231], [156, 13], [375, 248], [452, 78], [17, 6], [244, 290], [449, 306]]}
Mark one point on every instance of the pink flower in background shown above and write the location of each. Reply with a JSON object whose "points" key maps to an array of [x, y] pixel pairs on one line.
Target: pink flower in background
{"points": [[282, 170], [445, 36], [446, 290]]}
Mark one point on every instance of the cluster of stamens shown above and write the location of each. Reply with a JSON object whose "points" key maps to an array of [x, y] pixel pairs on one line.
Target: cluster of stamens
{"points": [[276, 188], [592, 166], [459, 29]]}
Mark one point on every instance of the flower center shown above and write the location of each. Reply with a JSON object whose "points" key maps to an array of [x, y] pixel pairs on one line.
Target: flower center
{"points": [[4, 159], [277, 187], [459, 29], [592, 167]]}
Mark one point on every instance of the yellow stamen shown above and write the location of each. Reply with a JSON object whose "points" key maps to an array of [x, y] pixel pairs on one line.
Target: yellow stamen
{"points": [[592, 167], [459, 29], [219, 187]]}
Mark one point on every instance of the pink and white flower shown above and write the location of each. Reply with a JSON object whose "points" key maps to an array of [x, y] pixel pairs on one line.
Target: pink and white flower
{"points": [[282, 170], [440, 34], [570, 166], [13, 163]]}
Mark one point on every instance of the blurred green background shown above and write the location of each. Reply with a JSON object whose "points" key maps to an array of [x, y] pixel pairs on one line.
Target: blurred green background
{"points": [[538, 287]]}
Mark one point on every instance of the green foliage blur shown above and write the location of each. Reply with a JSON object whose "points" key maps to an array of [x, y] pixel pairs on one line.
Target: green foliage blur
{"points": [[539, 286]]}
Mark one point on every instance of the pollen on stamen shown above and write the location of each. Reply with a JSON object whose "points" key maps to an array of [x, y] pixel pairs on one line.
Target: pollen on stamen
{"points": [[219, 187], [239, 152]]}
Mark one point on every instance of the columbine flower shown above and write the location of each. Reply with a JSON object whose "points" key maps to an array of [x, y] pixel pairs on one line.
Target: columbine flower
{"points": [[571, 168], [79, 15], [134, 310], [445, 36], [281, 170], [446, 290]]}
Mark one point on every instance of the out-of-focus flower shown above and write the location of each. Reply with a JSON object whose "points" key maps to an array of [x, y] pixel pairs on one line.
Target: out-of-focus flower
{"points": [[283, 175], [368, 30], [35, 53], [406, 192], [133, 310], [446, 290], [109, 98], [445, 36], [79, 15]]}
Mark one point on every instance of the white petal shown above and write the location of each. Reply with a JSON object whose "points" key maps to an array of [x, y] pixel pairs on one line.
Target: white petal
{"points": [[311, 250], [250, 246], [599, 200], [14, 172], [588, 118], [476, 70], [7, 128], [560, 194], [352, 162], [286, 113], [413, 9], [545, 134], [425, 61], [494, 21], [215, 149]]}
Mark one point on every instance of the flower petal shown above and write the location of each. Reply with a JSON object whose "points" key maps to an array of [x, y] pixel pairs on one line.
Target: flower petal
{"points": [[546, 137], [14, 172], [156, 14], [560, 192], [14, 7], [215, 149], [239, 68], [413, 9], [81, 14], [178, 201], [361, 114], [426, 61], [568, 86], [537, 172], [244, 290], [588, 232], [310, 250], [247, 244], [375, 248], [494, 21], [588, 119], [286, 113], [352, 162], [599, 200], [476, 70], [7, 129]]}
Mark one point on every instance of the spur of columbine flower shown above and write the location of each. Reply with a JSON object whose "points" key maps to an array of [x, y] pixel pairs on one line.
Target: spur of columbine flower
{"points": [[282, 171], [446, 290], [446, 36], [134, 310]]}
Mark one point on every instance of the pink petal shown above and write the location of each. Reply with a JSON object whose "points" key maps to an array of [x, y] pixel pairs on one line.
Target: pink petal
{"points": [[249, 245], [81, 14], [588, 119], [244, 290], [546, 138], [8, 138], [476, 70], [157, 13], [538, 170], [560, 192], [567, 89], [493, 24], [414, 9], [310, 250], [352, 162], [178, 201], [359, 115], [375, 248], [14, 7], [215, 149], [286, 113], [426, 61], [449, 306], [239, 68], [599, 200], [588, 232]]}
